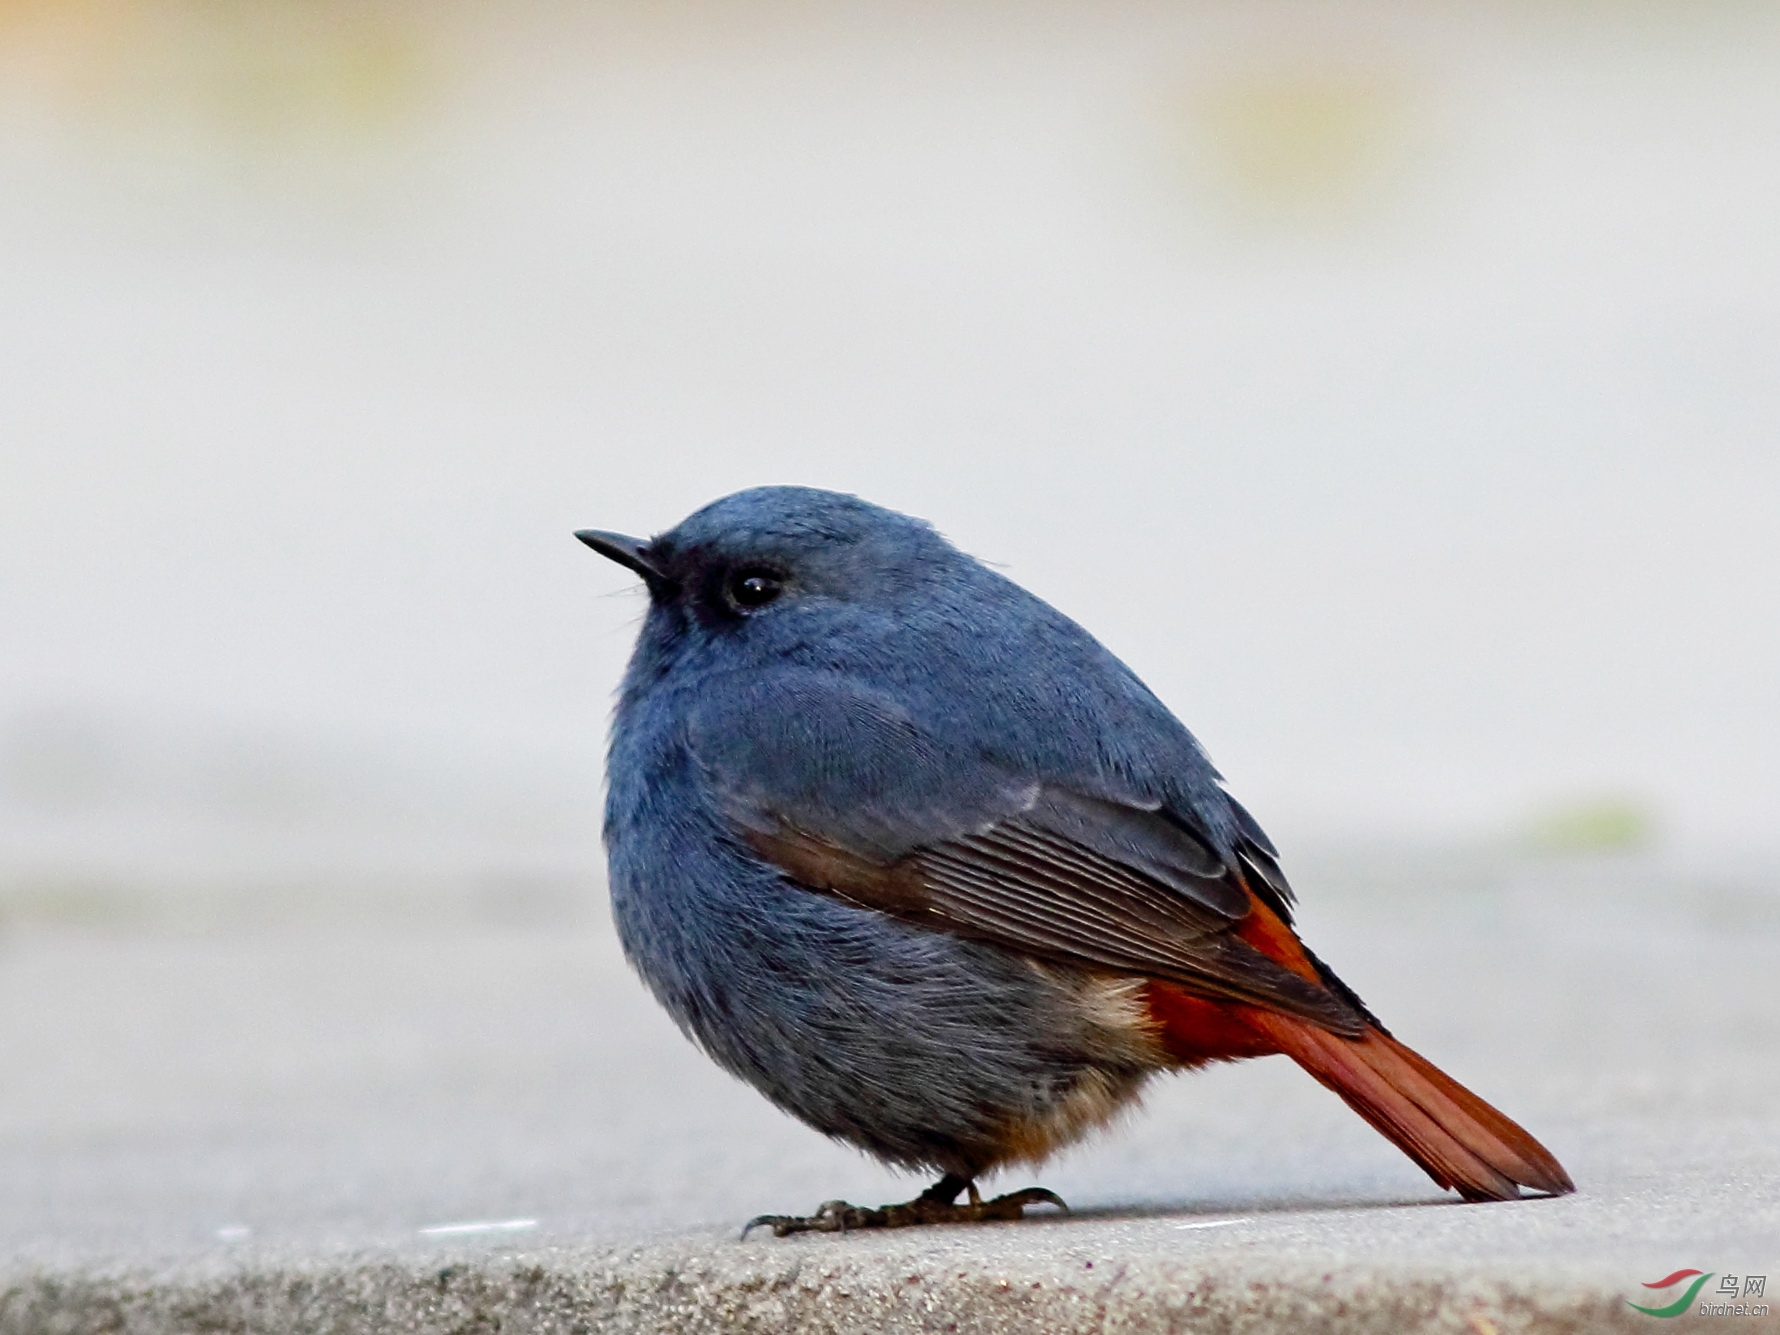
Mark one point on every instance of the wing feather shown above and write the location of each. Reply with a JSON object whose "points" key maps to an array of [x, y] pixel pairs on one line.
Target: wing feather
{"points": [[1024, 886], [904, 817]]}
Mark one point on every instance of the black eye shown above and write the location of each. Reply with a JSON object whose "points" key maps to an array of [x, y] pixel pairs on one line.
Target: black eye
{"points": [[754, 588]]}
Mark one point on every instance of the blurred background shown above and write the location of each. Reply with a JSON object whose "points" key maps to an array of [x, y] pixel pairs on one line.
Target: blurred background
{"points": [[1396, 388]]}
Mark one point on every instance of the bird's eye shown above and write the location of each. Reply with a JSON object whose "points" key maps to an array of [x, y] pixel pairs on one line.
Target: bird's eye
{"points": [[754, 588]]}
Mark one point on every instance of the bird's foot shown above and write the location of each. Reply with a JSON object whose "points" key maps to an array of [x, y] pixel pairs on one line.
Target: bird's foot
{"points": [[937, 1205]]}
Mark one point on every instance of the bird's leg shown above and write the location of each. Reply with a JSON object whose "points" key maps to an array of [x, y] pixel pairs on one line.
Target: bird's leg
{"points": [[937, 1205]]}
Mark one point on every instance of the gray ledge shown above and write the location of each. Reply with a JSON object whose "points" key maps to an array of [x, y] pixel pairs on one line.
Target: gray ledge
{"points": [[820, 1287]]}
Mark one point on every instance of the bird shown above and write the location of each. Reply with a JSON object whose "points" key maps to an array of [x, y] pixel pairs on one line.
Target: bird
{"points": [[909, 851]]}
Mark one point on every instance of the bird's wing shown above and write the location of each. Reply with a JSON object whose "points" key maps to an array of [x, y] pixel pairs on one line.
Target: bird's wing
{"points": [[847, 794], [1258, 861]]}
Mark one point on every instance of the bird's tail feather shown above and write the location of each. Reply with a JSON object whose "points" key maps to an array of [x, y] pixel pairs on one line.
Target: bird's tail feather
{"points": [[1457, 1138]]}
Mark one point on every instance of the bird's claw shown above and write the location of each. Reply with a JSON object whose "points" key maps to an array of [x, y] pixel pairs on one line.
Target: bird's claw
{"points": [[840, 1217]]}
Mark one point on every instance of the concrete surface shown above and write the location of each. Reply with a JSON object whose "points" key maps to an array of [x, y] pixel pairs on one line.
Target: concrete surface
{"points": [[447, 1128]]}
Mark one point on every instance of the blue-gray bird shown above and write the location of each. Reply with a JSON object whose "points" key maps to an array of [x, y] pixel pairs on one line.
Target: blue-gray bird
{"points": [[910, 852]]}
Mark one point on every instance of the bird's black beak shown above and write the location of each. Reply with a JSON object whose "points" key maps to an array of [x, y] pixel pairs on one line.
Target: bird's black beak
{"points": [[632, 553]]}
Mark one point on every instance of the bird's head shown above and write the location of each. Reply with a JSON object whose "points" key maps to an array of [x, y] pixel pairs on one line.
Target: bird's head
{"points": [[777, 567]]}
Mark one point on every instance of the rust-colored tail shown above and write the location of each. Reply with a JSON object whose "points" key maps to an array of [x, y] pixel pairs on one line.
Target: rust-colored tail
{"points": [[1458, 1139]]}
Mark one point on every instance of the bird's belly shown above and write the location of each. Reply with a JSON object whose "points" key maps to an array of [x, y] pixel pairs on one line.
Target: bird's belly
{"points": [[925, 1049]]}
